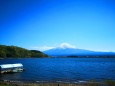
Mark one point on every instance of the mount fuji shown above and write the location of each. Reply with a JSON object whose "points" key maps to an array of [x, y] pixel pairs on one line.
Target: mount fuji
{"points": [[66, 49]]}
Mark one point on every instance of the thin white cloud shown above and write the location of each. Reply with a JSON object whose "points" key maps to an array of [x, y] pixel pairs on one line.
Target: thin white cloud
{"points": [[44, 48]]}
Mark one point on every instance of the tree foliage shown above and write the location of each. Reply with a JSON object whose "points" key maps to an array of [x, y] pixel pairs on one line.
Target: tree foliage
{"points": [[18, 52]]}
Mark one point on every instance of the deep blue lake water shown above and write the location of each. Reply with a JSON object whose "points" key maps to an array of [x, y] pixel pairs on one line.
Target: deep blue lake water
{"points": [[62, 69]]}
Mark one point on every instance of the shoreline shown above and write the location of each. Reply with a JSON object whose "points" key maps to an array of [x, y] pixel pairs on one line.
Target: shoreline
{"points": [[47, 84], [58, 83], [37, 83], [62, 57]]}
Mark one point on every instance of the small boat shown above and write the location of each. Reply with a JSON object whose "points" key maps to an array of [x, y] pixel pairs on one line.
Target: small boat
{"points": [[11, 68]]}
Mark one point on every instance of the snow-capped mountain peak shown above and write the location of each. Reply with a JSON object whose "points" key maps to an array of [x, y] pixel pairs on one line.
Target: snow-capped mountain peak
{"points": [[66, 49], [66, 45]]}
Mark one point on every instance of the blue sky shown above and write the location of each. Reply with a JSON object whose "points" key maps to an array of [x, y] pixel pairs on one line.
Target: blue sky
{"points": [[85, 24]]}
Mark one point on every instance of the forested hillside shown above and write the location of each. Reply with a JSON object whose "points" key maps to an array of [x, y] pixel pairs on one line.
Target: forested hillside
{"points": [[18, 52]]}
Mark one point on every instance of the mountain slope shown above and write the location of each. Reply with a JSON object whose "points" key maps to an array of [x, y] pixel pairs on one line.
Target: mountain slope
{"points": [[74, 51]]}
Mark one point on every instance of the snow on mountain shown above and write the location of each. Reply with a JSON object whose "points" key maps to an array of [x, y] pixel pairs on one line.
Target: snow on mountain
{"points": [[66, 45], [66, 49]]}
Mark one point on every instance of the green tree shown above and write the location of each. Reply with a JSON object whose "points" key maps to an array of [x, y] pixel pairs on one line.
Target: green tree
{"points": [[14, 51], [2, 54]]}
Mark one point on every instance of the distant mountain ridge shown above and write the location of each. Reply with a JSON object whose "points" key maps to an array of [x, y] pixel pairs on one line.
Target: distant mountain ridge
{"points": [[73, 52]]}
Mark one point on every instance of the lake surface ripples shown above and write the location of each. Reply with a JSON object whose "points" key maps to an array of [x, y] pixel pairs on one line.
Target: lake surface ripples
{"points": [[62, 69]]}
